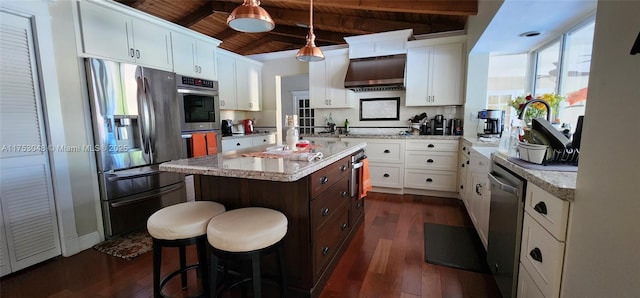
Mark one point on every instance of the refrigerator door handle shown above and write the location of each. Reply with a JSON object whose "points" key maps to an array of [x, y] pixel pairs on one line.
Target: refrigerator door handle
{"points": [[147, 197], [152, 120], [115, 177], [146, 120]]}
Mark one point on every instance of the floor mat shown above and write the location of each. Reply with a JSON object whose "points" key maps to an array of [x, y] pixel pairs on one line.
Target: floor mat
{"points": [[128, 246], [456, 247]]}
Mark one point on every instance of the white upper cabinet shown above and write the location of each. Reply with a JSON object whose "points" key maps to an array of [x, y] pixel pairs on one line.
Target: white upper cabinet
{"points": [[110, 34], [240, 81], [434, 73], [326, 81], [194, 57]]}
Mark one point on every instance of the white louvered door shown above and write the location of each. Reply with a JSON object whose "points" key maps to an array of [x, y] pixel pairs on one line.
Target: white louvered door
{"points": [[28, 220]]}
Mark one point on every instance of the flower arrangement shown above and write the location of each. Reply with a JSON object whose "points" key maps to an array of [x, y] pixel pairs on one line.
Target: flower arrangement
{"points": [[537, 109]]}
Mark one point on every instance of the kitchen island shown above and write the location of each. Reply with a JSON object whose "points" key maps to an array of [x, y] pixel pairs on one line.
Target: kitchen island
{"points": [[314, 195]]}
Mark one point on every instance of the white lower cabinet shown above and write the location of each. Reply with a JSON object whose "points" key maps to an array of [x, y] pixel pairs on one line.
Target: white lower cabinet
{"points": [[542, 249], [431, 165], [386, 161], [247, 142], [479, 193], [526, 286], [263, 140]]}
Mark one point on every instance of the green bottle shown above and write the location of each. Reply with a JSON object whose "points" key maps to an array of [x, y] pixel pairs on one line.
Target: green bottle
{"points": [[346, 126]]}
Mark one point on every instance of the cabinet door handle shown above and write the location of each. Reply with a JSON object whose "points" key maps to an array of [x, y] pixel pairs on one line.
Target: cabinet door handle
{"points": [[467, 162], [541, 207], [237, 144], [195, 68], [461, 186], [463, 164], [325, 211], [430, 146], [430, 160], [429, 180], [343, 194], [131, 52], [324, 180], [536, 254], [387, 151], [325, 250], [464, 148], [478, 186], [385, 175], [343, 168], [199, 69], [358, 205], [343, 227], [138, 54]]}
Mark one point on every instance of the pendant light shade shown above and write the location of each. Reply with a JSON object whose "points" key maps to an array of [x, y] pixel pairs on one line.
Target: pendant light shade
{"points": [[310, 53], [250, 17]]}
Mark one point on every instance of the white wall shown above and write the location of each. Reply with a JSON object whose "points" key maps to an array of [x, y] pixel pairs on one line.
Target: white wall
{"points": [[77, 124], [603, 245]]}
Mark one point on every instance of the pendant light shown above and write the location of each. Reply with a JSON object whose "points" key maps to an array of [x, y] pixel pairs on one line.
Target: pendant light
{"points": [[310, 53], [250, 17]]}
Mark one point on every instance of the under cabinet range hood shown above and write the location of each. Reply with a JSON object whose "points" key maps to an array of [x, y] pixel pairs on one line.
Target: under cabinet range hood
{"points": [[380, 73]]}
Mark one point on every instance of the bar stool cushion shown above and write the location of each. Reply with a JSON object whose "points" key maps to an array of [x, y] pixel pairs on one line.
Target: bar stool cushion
{"points": [[184, 220], [246, 229]]}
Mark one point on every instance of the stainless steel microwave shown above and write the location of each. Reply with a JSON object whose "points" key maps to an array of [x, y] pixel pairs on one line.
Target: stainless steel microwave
{"points": [[199, 103]]}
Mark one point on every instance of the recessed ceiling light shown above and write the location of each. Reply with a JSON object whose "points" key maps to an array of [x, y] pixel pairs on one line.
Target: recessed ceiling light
{"points": [[530, 34]]}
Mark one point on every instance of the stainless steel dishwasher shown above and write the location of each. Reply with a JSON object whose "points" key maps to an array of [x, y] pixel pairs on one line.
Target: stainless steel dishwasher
{"points": [[505, 228]]}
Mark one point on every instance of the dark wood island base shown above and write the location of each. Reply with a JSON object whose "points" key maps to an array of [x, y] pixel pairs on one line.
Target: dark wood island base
{"points": [[322, 216]]}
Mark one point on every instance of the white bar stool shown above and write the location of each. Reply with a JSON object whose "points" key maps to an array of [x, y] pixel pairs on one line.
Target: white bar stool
{"points": [[247, 233], [181, 225]]}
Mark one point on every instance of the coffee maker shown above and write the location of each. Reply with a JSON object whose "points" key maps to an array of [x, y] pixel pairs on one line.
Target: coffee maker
{"points": [[225, 127], [438, 125], [493, 123]]}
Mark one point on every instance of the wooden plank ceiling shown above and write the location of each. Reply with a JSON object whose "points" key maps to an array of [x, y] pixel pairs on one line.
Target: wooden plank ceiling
{"points": [[332, 19]]}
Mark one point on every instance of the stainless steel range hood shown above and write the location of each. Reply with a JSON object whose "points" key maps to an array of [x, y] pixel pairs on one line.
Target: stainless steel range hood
{"points": [[376, 73]]}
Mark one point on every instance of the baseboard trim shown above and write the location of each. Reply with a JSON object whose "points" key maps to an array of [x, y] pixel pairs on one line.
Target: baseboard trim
{"points": [[88, 241]]}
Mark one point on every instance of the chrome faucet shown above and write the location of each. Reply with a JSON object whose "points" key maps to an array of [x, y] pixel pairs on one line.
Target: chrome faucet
{"points": [[526, 105]]}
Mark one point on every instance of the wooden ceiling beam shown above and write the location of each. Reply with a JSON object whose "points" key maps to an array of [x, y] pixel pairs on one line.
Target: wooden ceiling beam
{"points": [[441, 7], [321, 35], [451, 7], [194, 17]]}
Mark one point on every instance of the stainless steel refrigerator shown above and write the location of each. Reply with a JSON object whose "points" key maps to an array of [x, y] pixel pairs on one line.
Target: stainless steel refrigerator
{"points": [[136, 126]]}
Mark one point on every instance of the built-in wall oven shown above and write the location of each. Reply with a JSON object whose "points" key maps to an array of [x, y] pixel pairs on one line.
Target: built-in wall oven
{"points": [[505, 228], [199, 104]]}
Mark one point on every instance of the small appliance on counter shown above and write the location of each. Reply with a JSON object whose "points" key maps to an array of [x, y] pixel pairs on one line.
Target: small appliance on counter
{"points": [[438, 125], [248, 126], [454, 127], [237, 129], [493, 123], [226, 126]]}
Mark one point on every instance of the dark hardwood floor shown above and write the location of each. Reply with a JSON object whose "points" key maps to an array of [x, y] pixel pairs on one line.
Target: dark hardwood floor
{"points": [[384, 259]]}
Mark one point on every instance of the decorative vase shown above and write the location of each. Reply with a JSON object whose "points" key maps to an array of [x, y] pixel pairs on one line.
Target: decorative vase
{"points": [[292, 137]]}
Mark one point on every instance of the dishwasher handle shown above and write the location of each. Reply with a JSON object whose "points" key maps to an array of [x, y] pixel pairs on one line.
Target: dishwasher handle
{"points": [[501, 185]]}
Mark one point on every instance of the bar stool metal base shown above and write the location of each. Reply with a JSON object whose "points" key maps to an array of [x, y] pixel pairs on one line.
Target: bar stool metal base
{"points": [[256, 272], [201, 266]]}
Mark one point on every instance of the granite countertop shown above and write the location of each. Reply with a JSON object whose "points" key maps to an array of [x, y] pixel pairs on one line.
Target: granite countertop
{"points": [[560, 184], [380, 136], [234, 164]]}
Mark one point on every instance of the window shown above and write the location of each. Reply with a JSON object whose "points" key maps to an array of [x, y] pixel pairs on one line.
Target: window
{"points": [[547, 69], [507, 80], [305, 116]]}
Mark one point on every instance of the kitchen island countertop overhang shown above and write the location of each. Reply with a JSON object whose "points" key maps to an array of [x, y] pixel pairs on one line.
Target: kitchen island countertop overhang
{"points": [[234, 164]]}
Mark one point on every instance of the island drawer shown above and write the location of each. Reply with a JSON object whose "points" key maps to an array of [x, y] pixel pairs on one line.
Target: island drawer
{"points": [[324, 178], [327, 240], [329, 203]]}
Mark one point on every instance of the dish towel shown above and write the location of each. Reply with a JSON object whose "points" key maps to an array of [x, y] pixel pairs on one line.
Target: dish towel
{"points": [[212, 143], [198, 145], [365, 179]]}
